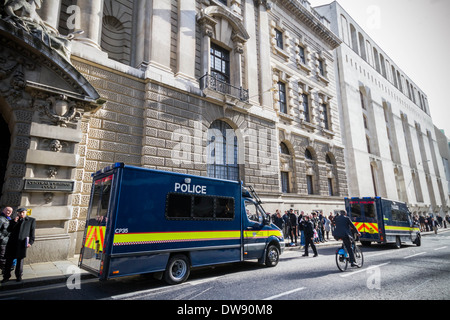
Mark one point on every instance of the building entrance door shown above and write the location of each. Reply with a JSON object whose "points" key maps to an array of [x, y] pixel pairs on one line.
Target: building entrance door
{"points": [[5, 145]]}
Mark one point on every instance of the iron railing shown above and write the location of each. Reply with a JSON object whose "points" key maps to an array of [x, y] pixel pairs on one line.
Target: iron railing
{"points": [[210, 82]]}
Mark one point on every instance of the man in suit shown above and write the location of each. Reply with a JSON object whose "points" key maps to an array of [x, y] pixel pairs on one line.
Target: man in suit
{"points": [[22, 237], [344, 229]]}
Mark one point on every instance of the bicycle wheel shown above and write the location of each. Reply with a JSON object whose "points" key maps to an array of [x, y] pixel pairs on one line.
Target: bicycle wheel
{"points": [[341, 260], [359, 257]]}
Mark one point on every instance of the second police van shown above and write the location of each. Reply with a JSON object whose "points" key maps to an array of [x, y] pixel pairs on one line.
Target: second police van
{"points": [[149, 221], [383, 221]]}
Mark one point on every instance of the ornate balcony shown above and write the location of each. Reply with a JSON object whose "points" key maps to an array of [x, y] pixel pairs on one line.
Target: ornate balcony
{"points": [[208, 82]]}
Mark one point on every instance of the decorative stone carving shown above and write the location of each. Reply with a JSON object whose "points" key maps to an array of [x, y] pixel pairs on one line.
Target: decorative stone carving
{"points": [[60, 110], [52, 172], [22, 14]]}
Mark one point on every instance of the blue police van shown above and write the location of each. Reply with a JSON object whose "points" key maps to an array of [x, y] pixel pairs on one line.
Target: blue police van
{"points": [[148, 221], [383, 221]]}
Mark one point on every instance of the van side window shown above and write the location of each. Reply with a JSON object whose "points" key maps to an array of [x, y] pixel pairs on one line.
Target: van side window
{"points": [[198, 207], [178, 205], [399, 216], [203, 207], [224, 208]]}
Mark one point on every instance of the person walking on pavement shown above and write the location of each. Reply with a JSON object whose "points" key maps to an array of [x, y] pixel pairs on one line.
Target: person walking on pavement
{"points": [[5, 218], [344, 229], [22, 237], [308, 229]]}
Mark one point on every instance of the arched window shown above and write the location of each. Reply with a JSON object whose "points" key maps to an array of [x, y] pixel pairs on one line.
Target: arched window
{"points": [[284, 149], [222, 152], [308, 155]]}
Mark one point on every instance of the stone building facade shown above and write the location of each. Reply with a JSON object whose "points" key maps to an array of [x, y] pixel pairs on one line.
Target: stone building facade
{"points": [[234, 89], [390, 143]]}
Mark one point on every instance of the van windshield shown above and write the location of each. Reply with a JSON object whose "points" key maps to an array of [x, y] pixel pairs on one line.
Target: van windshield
{"points": [[96, 223]]}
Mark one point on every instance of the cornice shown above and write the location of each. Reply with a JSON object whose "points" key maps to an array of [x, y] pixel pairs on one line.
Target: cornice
{"points": [[311, 20]]}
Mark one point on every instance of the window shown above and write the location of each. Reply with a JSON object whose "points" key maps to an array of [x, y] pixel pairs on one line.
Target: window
{"points": [[305, 106], [363, 103], [330, 187], [321, 68], [253, 213], [308, 155], [222, 151], [309, 184], [279, 38], [326, 123], [369, 211], [223, 2], [355, 210], [220, 63], [284, 149], [302, 55], [282, 97], [285, 182], [399, 216], [199, 207]]}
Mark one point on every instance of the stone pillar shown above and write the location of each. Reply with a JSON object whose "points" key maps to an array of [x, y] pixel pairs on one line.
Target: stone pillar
{"points": [[186, 39], [264, 52], [91, 20], [50, 12], [161, 30], [143, 14], [207, 24], [251, 52]]}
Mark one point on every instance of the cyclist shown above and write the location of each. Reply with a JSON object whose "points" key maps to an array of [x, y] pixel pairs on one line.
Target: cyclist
{"points": [[344, 229]]}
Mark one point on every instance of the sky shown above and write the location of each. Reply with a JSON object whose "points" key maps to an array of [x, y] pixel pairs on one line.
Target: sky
{"points": [[414, 34]]}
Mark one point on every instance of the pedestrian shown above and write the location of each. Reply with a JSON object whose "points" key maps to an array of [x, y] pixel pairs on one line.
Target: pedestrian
{"points": [[301, 229], [278, 220], [293, 227], [22, 236], [327, 227], [286, 225], [308, 228], [422, 223], [5, 218]]}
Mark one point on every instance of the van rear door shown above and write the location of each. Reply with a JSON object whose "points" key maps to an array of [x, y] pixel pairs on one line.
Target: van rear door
{"points": [[364, 215], [93, 250]]}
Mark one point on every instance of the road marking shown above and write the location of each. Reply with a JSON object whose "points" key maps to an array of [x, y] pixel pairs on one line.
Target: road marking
{"points": [[363, 270], [284, 294], [414, 255], [440, 248]]}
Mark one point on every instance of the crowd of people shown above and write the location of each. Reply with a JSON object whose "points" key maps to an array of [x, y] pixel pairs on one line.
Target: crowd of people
{"points": [[431, 222], [293, 225]]}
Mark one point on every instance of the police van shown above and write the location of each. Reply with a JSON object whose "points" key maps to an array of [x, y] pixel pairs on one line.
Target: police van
{"points": [[382, 221], [148, 221]]}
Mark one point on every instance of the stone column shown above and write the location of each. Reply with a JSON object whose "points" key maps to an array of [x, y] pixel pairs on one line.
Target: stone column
{"points": [[91, 20], [251, 52], [207, 24], [186, 39], [143, 14], [161, 34], [264, 52], [50, 12]]}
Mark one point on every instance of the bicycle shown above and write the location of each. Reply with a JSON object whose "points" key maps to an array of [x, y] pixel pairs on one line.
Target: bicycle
{"points": [[342, 256]]}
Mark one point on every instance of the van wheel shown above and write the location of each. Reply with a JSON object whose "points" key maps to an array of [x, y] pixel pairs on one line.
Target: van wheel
{"points": [[398, 243], [418, 241], [177, 270], [272, 256]]}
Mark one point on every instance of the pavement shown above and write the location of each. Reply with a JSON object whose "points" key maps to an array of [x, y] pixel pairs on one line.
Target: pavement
{"points": [[38, 274]]}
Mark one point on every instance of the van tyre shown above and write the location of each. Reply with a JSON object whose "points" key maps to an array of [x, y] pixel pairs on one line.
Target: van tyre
{"points": [[418, 241], [177, 270], [398, 243], [272, 256]]}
